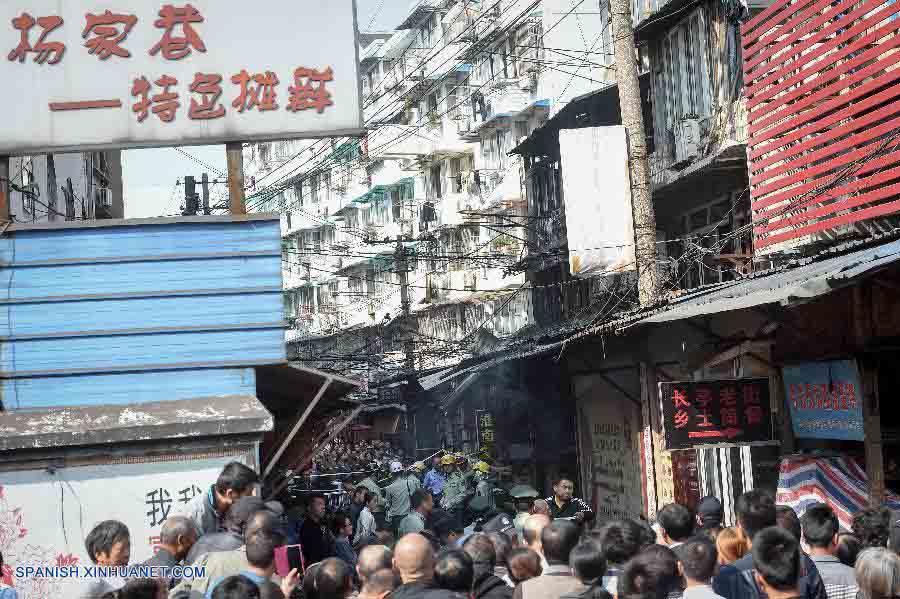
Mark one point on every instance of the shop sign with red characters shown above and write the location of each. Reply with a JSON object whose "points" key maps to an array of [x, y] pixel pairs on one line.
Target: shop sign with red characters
{"points": [[118, 73], [733, 412]]}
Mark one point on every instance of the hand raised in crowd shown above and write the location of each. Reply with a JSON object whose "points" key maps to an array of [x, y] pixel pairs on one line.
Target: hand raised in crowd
{"points": [[290, 582]]}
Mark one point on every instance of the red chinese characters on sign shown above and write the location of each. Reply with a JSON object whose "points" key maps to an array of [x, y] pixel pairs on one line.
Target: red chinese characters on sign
{"points": [[164, 105], [719, 411], [49, 52], [177, 47], [208, 87], [308, 91], [107, 35], [703, 399], [838, 396], [255, 91], [680, 402], [752, 405], [728, 406]]}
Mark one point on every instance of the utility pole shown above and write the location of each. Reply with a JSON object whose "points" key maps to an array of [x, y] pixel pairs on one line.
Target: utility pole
{"points": [[204, 188], [4, 189], [52, 195], [191, 199], [409, 345], [649, 284], [234, 153]]}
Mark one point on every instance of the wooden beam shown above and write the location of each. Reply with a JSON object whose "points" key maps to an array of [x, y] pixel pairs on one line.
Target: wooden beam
{"points": [[287, 440], [872, 432]]}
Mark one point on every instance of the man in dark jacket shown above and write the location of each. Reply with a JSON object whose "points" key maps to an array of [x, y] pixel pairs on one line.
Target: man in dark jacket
{"points": [[315, 538], [176, 537], [487, 585], [755, 512]]}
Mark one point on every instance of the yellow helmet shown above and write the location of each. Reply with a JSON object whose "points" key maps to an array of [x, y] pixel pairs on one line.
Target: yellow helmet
{"points": [[482, 467], [448, 460], [419, 466]]}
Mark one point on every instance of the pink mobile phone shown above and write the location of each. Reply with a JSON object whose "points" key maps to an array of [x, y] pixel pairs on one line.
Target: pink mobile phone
{"points": [[287, 558]]}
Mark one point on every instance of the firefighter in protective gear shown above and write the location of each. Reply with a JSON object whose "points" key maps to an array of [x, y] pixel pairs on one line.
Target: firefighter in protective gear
{"points": [[456, 489], [483, 487]]}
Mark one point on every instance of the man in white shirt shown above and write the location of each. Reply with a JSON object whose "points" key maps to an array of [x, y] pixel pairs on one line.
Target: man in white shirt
{"points": [[698, 564]]}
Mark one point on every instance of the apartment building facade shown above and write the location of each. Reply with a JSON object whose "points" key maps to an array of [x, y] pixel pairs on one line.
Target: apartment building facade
{"points": [[428, 206]]}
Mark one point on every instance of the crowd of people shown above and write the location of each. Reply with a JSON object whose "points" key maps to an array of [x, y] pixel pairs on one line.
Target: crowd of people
{"points": [[342, 455], [549, 550]]}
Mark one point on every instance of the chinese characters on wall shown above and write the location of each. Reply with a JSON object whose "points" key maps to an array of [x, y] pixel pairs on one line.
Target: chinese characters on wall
{"points": [[106, 35], [716, 412], [159, 502]]}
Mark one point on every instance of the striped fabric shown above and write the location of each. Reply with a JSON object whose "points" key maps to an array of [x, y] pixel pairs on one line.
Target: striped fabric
{"points": [[839, 482]]}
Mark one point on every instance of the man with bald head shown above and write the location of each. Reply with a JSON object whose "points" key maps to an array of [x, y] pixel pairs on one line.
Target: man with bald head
{"points": [[414, 561], [177, 536], [380, 585], [540, 506], [531, 532], [373, 558]]}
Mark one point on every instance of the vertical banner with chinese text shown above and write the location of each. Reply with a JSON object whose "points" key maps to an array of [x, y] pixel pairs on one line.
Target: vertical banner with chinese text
{"points": [[484, 420], [119, 73], [733, 411]]}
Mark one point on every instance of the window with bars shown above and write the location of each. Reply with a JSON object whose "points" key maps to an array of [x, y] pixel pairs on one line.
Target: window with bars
{"points": [[682, 75]]}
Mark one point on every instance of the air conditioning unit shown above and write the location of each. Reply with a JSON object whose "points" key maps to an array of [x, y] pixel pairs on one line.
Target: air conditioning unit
{"points": [[687, 141], [104, 197]]}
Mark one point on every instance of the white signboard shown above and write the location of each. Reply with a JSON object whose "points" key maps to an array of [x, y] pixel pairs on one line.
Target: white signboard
{"points": [[597, 196], [118, 73], [44, 517]]}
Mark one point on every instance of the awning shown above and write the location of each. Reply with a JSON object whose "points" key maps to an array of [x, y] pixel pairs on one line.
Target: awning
{"points": [[784, 287], [104, 425], [310, 408]]}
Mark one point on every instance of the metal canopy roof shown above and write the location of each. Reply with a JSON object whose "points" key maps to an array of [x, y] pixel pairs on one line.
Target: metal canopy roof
{"points": [[786, 286]]}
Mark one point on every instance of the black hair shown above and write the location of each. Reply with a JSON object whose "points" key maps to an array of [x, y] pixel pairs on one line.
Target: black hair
{"points": [[587, 561], [620, 540], [103, 536], [677, 521], [872, 527], [418, 498], [312, 497], [502, 546], [558, 539], [480, 548], [848, 548], [524, 559], [786, 518], [236, 477], [652, 574], [338, 521], [755, 511], [454, 571], [776, 557], [260, 549], [236, 587], [820, 524], [1, 560], [334, 579], [559, 479], [698, 558]]}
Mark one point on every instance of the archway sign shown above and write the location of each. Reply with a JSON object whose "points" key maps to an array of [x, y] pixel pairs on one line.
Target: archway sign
{"points": [[107, 74]]}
